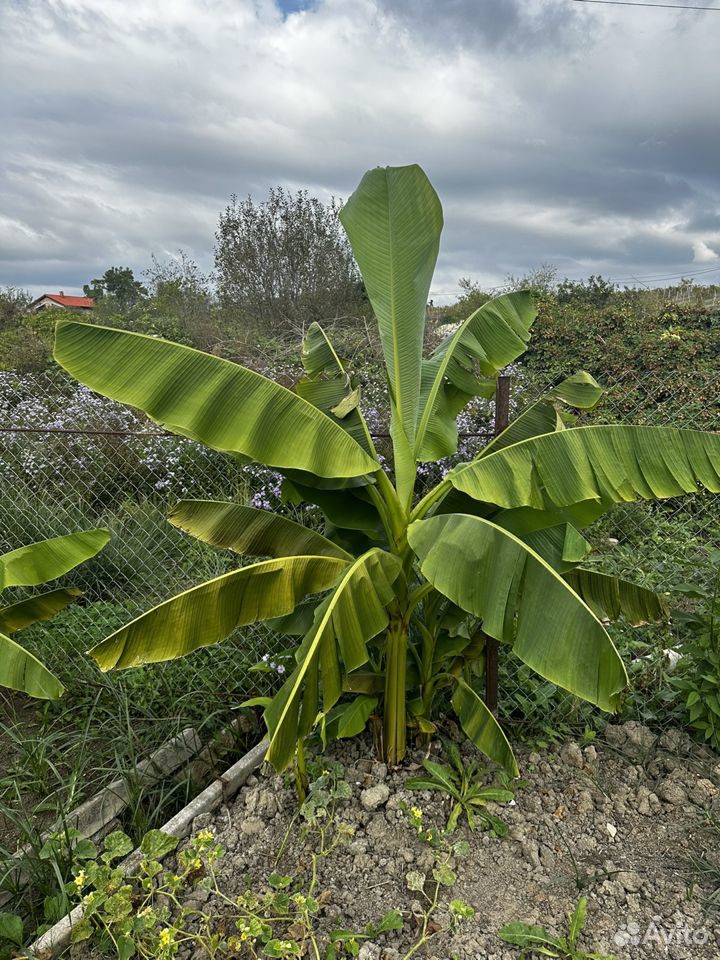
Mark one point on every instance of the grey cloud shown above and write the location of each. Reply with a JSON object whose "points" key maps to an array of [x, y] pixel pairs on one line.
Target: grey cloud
{"points": [[512, 25], [550, 133]]}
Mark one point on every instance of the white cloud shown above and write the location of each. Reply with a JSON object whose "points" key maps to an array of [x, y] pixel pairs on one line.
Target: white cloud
{"points": [[702, 253]]}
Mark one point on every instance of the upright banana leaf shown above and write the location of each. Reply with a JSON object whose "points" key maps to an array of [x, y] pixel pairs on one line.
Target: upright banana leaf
{"points": [[489, 339], [210, 612], [608, 463], [394, 220], [522, 601], [252, 532], [353, 614], [47, 559], [209, 399]]}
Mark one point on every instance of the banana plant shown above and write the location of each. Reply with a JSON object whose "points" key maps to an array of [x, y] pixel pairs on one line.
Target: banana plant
{"points": [[30, 566], [394, 598]]}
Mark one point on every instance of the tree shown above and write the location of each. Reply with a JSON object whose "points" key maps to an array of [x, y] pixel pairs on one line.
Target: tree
{"points": [[284, 263], [119, 284], [181, 300], [14, 304], [395, 600], [25, 337]]}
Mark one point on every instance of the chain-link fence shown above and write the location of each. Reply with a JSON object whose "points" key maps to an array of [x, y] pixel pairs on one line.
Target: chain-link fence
{"points": [[71, 460]]}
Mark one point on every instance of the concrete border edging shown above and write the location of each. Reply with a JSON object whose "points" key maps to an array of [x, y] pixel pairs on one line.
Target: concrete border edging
{"points": [[57, 938]]}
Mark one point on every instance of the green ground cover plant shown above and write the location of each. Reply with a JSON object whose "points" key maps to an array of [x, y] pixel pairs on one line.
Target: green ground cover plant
{"points": [[409, 590], [698, 676]]}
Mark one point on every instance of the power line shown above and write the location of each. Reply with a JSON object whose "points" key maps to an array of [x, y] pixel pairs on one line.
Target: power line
{"points": [[667, 6]]}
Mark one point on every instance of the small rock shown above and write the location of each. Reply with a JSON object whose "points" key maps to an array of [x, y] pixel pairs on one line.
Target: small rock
{"points": [[375, 797], [612, 830], [251, 826], [671, 792], [376, 827], [369, 951], [630, 880], [572, 755], [703, 792], [202, 822]]}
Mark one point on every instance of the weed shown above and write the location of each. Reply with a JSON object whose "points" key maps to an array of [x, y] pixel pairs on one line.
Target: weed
{"points": [[464, 783], [535, 939]]}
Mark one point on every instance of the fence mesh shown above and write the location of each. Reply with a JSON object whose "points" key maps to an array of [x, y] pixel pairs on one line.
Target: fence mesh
{"points": [[71, 460]]}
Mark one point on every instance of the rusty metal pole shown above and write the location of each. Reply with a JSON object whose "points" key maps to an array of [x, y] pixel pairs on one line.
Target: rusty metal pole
{"points": [[502, 419]]}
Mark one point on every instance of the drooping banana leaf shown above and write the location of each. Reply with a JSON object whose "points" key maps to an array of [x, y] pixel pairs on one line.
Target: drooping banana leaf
{"points": [[558, 543], [347, 509], [611, 597], [394, 220], [482, 728], [546, 415], [206, 398], [297, 623], [345, 621], [328, 386], [20, 670], [252, 532], [522, 601], [493, 336], [47, 559], [18, 615], [607, 463], [210, 612]]}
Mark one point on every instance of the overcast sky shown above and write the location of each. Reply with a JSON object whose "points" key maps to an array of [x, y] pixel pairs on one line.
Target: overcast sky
{"points": [[577, 134]]}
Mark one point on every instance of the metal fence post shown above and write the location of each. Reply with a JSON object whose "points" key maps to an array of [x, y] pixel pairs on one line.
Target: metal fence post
{"points": [[502, 419]]}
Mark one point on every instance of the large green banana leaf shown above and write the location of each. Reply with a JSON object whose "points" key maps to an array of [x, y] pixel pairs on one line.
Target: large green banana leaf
{"points": [[489, 339], [394, 220], [610, 597], [482, 727], [209, 399], [580, 391], [328, 386], [18, 615], [353, 614], [608, 463], [20, 670], [252, 532], [492, 574], [47, 559], [210, 612]]}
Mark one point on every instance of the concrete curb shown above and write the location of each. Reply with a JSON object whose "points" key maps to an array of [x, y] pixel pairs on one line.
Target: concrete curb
{"points": [[52, 943]]}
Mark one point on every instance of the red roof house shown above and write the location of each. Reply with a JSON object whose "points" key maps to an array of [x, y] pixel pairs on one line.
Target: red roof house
{"points": [[60, 300]]}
